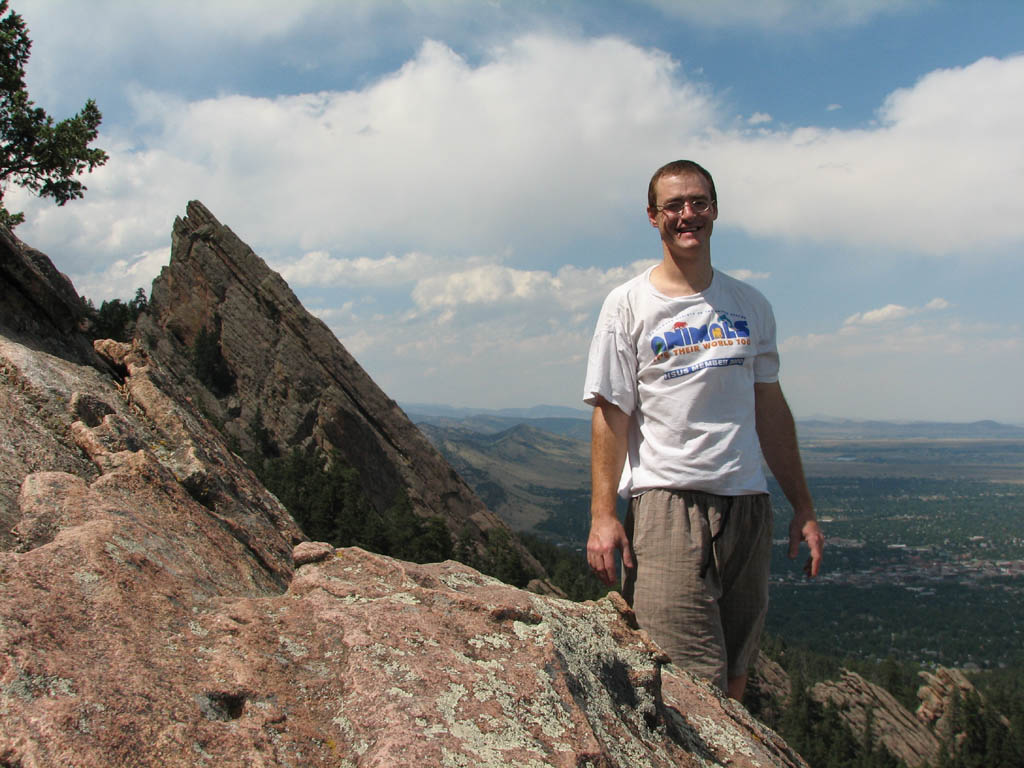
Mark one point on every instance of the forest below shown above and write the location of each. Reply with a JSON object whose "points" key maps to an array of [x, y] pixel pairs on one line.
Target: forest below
{"points": [[924, 562]]}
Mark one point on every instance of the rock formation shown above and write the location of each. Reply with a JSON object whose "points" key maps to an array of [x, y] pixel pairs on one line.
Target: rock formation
{"points": [[160, 608], [941, 688], [937, 694], [861, 703], [291, 379], [916, 738], [38, 304]]}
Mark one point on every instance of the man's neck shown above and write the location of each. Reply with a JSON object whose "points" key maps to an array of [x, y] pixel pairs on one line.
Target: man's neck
{"points": [[683, 275]]}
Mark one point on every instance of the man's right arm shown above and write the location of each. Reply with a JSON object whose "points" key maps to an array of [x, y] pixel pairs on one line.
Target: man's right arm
{"points": [[608, 442]]}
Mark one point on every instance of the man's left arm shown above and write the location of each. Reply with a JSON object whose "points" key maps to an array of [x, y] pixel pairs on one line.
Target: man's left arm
{"points": [[777, 434]]}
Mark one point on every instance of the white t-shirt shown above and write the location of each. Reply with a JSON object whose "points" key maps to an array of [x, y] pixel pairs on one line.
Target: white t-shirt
{"points": [[685, 368]]}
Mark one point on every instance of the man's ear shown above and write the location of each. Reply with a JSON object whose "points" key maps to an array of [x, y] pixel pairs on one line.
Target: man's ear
{"points": [[652, 216]]}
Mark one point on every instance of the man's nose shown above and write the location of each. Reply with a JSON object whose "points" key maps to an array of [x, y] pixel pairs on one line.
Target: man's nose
{"points": [[688, 212]]}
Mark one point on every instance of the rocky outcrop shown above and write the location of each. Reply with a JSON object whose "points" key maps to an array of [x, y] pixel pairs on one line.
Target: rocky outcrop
{"points": [[363, 660], [38, 304], [940, 689], [862, 704], [937, 693], [771, 678], [160, 608], [916, 738], [289, 381]]}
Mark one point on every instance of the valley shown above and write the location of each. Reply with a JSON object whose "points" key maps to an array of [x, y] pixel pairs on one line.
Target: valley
{"points": [[925, 527]]}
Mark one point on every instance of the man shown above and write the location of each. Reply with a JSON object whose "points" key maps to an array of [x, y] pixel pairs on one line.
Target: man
{"points": [[683, 377]]}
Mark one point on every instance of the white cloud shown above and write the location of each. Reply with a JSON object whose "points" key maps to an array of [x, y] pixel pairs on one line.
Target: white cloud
{"points": [[833, 107], [482, 285], [748, 274], [938, 175], [440, 154], [453, 180], [891, 313], [570, 288], [121, 279], [886, 314], [318, 268], [759, 118], [441, 285], [943, 369], [485, 335], [491, 363]]}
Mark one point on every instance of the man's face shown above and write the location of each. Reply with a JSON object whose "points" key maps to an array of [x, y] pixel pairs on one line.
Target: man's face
{"points": [[688, 230]]}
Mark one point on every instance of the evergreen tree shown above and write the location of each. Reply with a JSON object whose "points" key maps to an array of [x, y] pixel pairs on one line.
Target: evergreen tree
{"points": [[327, 501], [502, 561], [115, 319], [566, 567], [139, 304], [36, 153], [979, 737]]}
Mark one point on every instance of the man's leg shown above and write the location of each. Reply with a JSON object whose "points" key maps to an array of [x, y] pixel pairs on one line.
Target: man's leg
{"points": [[736, 686], [744, 560], [674, 589]]}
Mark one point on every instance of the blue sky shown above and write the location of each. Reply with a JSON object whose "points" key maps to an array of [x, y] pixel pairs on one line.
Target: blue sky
{"points": [[454, 186]]}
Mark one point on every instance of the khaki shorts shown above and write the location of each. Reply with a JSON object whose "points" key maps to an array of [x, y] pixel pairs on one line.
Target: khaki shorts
{"points": [[700, 586]]}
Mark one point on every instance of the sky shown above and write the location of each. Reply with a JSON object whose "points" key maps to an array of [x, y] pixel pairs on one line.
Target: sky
{"points": [[454, 186]]}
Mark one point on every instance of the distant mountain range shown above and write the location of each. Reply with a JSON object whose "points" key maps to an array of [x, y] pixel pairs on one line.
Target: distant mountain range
{"points": [[850, 429], [575, 422]]}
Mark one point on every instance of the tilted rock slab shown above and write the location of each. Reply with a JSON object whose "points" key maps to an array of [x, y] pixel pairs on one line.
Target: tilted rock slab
{"points": [[892, 725], [38, 303], [294, 378]]}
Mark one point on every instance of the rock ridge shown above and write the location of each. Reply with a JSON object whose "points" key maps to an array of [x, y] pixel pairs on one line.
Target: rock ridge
{"points": [[293, 380], [39, 304]]}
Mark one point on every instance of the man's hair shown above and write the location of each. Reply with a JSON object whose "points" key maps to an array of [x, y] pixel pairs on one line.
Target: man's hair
{"points": [[678, 168]]}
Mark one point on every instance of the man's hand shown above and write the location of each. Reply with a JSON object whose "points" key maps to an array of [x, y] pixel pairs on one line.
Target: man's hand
{"points": [[805, 528], [606, 537], [777, 433], [608, 440]]}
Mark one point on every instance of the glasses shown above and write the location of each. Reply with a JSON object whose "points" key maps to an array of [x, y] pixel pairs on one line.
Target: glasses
{"points": [[676, 207]]}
